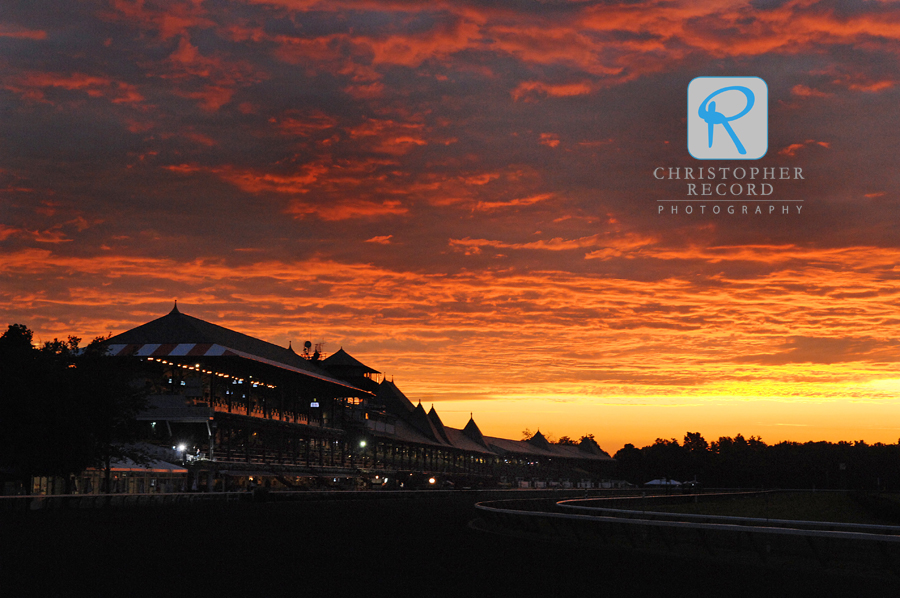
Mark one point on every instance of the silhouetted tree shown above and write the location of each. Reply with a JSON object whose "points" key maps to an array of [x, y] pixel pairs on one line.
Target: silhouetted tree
{"points": [[666, 459], [62, 409], [695, 442], [630, 464]]}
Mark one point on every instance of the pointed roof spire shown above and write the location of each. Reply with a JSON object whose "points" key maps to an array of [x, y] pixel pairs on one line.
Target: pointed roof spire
{"points": [[438, 424], [420, 420], [471, 430], [175, 309], [590, 446], [539, 441], [347, 364], [291, 348], [393, 398]]}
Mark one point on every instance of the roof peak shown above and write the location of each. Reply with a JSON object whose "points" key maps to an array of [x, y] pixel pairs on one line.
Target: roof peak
{"points": [[539, 440], [175, 309], [473, 432], [347, 363]]}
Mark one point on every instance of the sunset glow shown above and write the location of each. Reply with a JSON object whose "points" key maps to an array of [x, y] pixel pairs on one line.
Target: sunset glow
{"points": [[461, 195]]}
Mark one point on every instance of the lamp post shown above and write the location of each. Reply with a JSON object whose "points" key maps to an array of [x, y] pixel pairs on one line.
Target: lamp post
{"points": [[362, 451]]}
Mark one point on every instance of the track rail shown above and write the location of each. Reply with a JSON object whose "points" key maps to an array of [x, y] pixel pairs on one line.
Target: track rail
{"points": [[851, 547]]}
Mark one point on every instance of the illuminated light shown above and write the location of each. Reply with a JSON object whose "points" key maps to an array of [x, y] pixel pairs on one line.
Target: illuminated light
{"points": [[362, 443], [181, 448], [431, 480]]}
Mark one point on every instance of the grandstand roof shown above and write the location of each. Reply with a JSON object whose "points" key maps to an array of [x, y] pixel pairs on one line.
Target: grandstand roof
{"points": [[180, 335]]}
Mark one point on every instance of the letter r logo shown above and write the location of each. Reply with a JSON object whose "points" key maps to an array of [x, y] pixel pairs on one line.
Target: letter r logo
{"points": [[728, 118]]}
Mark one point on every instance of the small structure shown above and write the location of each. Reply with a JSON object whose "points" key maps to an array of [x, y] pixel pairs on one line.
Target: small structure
{"points": [[662, 483]]}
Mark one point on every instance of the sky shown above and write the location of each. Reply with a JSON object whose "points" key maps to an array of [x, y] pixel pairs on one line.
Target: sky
{"points": [[462, 195]]}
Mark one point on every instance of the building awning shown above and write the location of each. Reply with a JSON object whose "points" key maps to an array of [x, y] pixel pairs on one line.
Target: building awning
{"points": [[154, 466], [212, 350]]}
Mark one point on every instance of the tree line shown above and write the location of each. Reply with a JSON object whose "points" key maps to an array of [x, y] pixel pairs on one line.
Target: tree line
{"points": [[741, 462]]}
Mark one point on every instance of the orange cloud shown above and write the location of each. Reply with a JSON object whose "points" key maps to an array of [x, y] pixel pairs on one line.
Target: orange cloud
{"points": [[381, 240], [549, 139], [347, 209], [33, 86], [487, 206], [531, 89], [8, 231], [256, 181], [388, 136], [614, 245], [7, 30], [808, 92], [304, 125]]}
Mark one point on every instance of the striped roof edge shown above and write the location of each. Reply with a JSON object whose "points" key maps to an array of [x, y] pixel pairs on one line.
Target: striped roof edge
{"points": [[178, 334]]}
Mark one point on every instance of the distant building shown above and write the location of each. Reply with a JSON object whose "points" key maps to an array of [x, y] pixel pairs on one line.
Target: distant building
{"points": [[228, 411]]}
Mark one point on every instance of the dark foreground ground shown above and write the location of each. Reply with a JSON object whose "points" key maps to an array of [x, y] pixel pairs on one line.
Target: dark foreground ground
{"points": [[393, 547]]}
